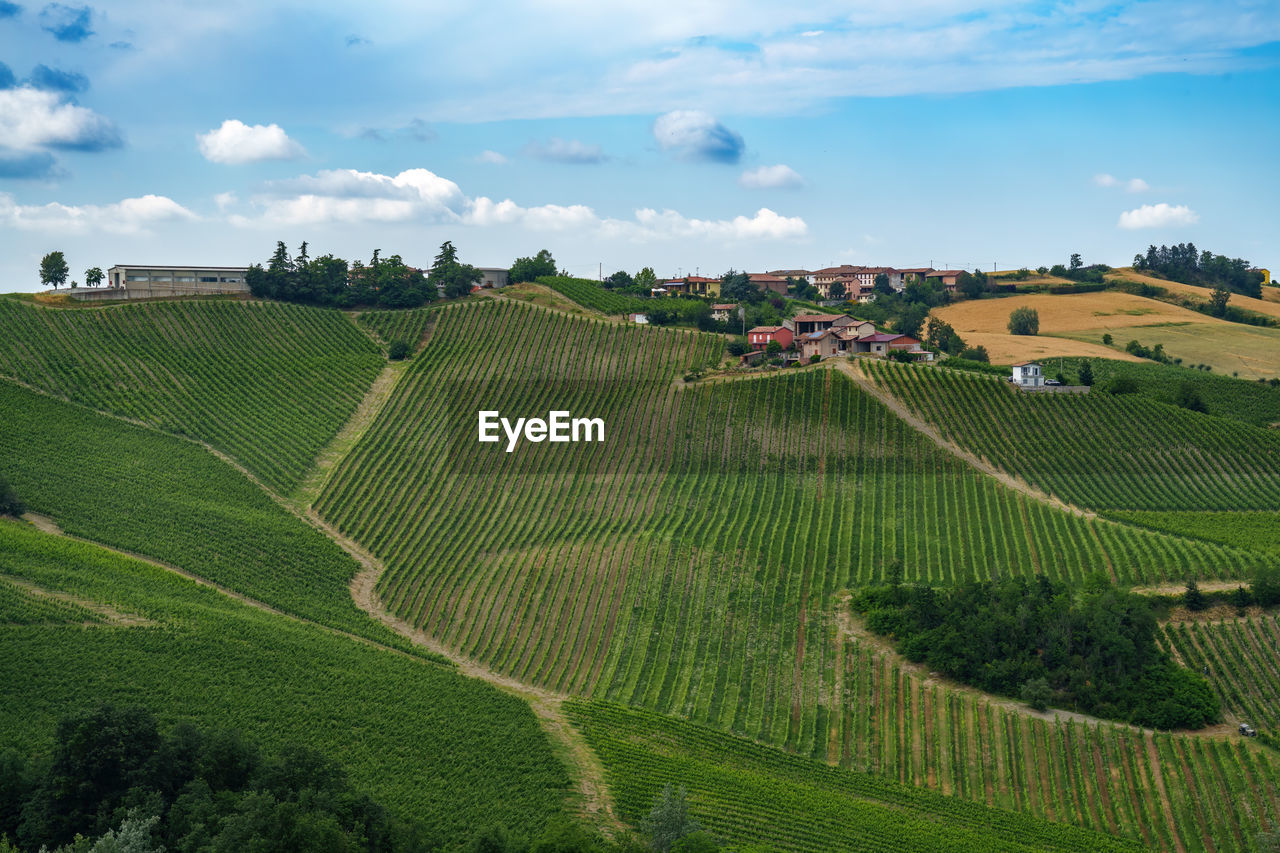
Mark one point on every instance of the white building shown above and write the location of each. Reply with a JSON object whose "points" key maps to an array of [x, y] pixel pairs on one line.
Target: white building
{"points": [[1027, 374], [493, 276], [142, 281]]}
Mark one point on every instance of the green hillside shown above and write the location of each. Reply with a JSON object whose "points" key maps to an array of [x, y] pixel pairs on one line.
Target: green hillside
{"points": [[439, 748], [227, 373]]}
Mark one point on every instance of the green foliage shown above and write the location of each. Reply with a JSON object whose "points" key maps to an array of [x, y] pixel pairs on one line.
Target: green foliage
{"points": [[590, 294], [10, 503], [1024, 321], [1266, 586], [757, 798], [451, 277], [941, 337], [430, 745], [1121, 385], [1107, 339], [1193, 599], [410, 326], [646, 279], [773, 347], [54, 269], [1084, 373], [1182, 262], [736, 348], [1155, 353], [1188, 397], [617, 280], [93, 276], [227, 373], [531, 269], [1218, 301], [330, 281], [668, 821], [398, 350], [978, 353], [1095, 652]]}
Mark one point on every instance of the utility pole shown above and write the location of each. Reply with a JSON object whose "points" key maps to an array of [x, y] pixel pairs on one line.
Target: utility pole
{"points": [[601, 273]]}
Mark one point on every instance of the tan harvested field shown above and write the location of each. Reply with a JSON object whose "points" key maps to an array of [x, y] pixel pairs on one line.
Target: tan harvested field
{"points": [[1269, 304], [1073, 324]]}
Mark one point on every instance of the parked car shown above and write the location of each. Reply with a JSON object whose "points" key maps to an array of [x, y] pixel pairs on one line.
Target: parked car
{"points": [[1052, 382], [1247, 730]]}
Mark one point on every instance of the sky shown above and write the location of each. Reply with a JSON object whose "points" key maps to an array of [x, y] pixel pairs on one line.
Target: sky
{"points": [[689, 137]]}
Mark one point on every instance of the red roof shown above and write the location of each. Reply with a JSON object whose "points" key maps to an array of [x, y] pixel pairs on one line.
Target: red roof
{"points": [[767, 329], [817, 318], [944, 272], [724, 306], [884, 337], [761, 276]]}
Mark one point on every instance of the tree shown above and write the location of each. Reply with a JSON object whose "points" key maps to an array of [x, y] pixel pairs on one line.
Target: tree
{"points": [[1193, 598], [1266, 587], [773, 348], [978, 353], [942, 337], [836, 290], [1076, 261], [646, 278], [669, 820], [1037, 693], [736, 348], [10, 503], [531, 269], [881, 284], [1107, 339], [1024, 321], [971, 285], [452, 278], [1218, 301], [398, 350], [1084, 374], [738, 287], [54, 269], [1188, 397], [93, 276], [619, 279]]}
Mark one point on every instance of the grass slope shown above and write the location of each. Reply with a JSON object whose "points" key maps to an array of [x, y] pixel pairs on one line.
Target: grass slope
{"points": [[226, 372], [759, 798], [149, 493], [434, 746]]}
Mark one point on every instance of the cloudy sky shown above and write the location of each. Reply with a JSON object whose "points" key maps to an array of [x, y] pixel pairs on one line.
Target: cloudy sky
{"points": [[686, 136]]}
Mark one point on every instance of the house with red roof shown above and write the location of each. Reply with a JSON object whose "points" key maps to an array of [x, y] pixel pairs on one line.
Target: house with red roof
{"points": [[760, 336]]}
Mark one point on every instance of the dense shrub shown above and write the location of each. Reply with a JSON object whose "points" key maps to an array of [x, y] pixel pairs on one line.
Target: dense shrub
{"points": [[1024, 321], [398, 350]]}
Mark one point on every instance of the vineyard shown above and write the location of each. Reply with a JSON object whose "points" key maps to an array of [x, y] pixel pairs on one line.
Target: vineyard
{"points": [[1101, 451], [759, 796], [148, 493], [410, 326], [1240, 655], [228, 373], [20, 605], [433, 745], [590, 294]]}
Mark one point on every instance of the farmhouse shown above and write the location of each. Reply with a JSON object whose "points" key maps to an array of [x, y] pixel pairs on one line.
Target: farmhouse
{"points": [[138, 281], [760, 336], [806, 323], [638, 318], [1027, 374], [769, 282], [721, 311], [881, 344], [947, 278]]}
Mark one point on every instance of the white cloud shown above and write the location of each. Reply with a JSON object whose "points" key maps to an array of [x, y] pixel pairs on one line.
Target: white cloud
{"points": [[129, 216], [1158, 216], [493, 158], [418, 195], [34, 118], [1105, 180], [566, 151], [697, 135], [236, 142], [1136, 185], [225, 200], [1133, 185], [770, 177]]}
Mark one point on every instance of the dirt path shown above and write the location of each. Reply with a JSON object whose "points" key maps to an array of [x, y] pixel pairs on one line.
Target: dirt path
{"points": [[347, 438], [584, 767], [1157, 777], [853, 370], [106, 611]]}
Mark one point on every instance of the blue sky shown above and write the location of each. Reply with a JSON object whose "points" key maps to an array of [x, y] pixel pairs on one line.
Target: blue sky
{"points": [[680, 136]]}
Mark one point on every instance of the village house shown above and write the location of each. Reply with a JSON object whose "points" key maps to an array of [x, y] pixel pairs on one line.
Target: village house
{"points": [[914, 274], [882, 343], [1027, 374], [722, 311], [947, 278], [807, 323], [804, 275], [769, 282], [823, 344], [702, 286], [760, 337]]}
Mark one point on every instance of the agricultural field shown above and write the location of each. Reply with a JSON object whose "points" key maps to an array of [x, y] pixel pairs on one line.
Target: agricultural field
{"points": [[591, 294], [433, 746], [142, 491], [1240, 655], [1100, 451], [765, 799], [223, 372], [1201, 294], [410, 326]]}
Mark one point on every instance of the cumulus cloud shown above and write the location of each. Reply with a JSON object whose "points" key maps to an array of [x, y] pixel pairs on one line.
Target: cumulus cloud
{"points": [[493, 158], [570, 151], [66, 23], [129, 216], [26, 164], [697, 135], [348, 195], [1133, 185], [418, 195], [770, 177], [33, 118], [236, 142], [55, 80], [1158, 216]]}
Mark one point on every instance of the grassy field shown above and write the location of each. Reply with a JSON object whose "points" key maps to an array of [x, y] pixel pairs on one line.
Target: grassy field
{"points": [[1268, 306], [226, 372], [428, 743], [1073, 325]]}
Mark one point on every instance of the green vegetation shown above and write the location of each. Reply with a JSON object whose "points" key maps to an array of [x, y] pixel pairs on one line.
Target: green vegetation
{"points": [[330, 281], [589, 294], [758, 798], [531, 269], [194, 789], [1094, 652], [20, 605], [1258, 530], [1184, 263], [54, 269], [10, 503], [410, 326], [448, 752], [1101, 451], [1240, 658], [1024, 321], [227, 373], [148, 493]]}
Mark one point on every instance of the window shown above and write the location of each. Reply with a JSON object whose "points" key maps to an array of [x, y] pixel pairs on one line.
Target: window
{"points": [[185, 278], [136, 278], [208, 278], [162, 278]]}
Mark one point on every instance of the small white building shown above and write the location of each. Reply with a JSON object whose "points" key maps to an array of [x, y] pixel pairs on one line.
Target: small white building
{"points": [[1027, 374], [493, 277], [638, 319]]}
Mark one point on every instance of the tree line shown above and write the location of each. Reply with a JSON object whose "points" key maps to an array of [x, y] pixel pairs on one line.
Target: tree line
{"points": [[1184, 263], [382, 283], [1094, 651]]}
